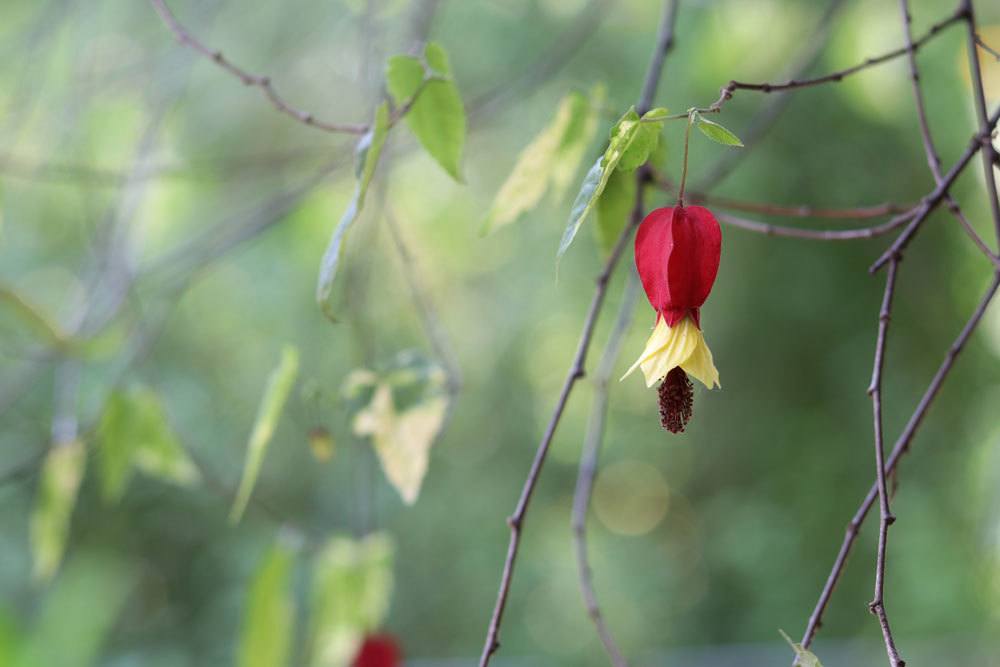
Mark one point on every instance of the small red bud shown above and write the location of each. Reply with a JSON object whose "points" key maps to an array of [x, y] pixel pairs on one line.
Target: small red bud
{"points": [[379, 651]]}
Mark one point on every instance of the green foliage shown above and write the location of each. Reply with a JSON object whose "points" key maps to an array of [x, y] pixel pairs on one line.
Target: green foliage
{"points": [[351, 588], [613, 209], [632, 141], [552, 158], [803, 656], [716, 132], [269, 612], [279, 385], [61, 475], [367, 154], [134, 433], [436, 115], [78, 613]]}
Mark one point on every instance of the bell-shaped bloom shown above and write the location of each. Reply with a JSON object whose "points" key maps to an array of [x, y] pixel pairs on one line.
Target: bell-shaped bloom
{"points": [[677, 253], [379, 651]]}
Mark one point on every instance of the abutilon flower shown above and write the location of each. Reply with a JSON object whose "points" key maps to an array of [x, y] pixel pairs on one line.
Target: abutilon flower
{"points": [[677, 254], [378, 651]]}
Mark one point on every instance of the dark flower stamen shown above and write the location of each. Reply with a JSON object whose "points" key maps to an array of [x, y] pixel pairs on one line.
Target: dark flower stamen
{"points": [[676, 400]]}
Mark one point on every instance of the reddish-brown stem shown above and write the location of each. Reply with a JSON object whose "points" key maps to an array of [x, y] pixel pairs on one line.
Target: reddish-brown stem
{"points": [[664, 42], [901, 447], [729, 89], [185, 38], [989, 154], [886, 518]]}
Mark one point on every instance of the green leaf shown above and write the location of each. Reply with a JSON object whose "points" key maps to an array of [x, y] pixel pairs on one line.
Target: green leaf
{"points": [[803, 656], [436, 115], [716, 132], [647, 137], [351, 590], [613, 209], [631, 143], [134, 433], [367, 154], [279, 385], [61, 474], [269, 613], [78, 613], [553, 155]]}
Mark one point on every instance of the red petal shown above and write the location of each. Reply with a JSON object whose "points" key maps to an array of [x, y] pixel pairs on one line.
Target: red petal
{"points": [[378, 651], [677, 254]]}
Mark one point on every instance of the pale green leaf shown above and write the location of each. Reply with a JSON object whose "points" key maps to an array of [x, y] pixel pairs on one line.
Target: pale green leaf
{"points": [[403, 76], [803, 656], [537, 164], [351, 590], [631, 141], [576, 141], [367, 154], [613, 209], [279, 385], [134, 433], [269, 612], [716, 132], [645, 141], [78, 613], [436, 115], [61, 474]]}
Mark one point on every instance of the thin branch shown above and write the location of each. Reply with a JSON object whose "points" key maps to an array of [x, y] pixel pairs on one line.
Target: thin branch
{"points": [[933, 158], [877, 605], [588, 468], [931, 201], [766, 116], [185, 38], [901, 447], [985, 125], [987, 48], [729, 89], [768, 229], [664, 41]]}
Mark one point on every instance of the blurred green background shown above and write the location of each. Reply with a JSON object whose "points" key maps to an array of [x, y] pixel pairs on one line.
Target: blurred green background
{"points": [[172, 219]]}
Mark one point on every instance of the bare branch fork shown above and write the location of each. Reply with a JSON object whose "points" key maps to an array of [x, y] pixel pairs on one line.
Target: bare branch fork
{"points": [[664, 42], [184, 37]]}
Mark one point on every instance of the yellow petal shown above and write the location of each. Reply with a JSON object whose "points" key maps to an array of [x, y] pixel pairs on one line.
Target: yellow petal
{"points": [[700, 364], [667, 348]]}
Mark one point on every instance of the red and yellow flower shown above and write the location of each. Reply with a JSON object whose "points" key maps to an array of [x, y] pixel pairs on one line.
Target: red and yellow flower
{"points": [[677, 253]]}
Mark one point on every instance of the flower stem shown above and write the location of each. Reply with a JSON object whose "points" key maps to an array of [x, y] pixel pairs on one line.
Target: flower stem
{"points": [[684, 167]]}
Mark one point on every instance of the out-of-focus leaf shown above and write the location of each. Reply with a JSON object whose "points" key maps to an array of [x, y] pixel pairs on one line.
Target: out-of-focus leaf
{"points": [[269, 613], [403, 416], [366, 157], [351, 590], [134, 433], [613, 209], [61, 474], [716, 132], [436, 115], [78, 613], [576, 140], [630, 145], [321, 444], [279, 384], [552, 156], [10, 638], [803, 656]]}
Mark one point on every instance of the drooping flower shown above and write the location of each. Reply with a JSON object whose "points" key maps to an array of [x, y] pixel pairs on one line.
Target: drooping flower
{"points": [[677, 253], [379, 651]]}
